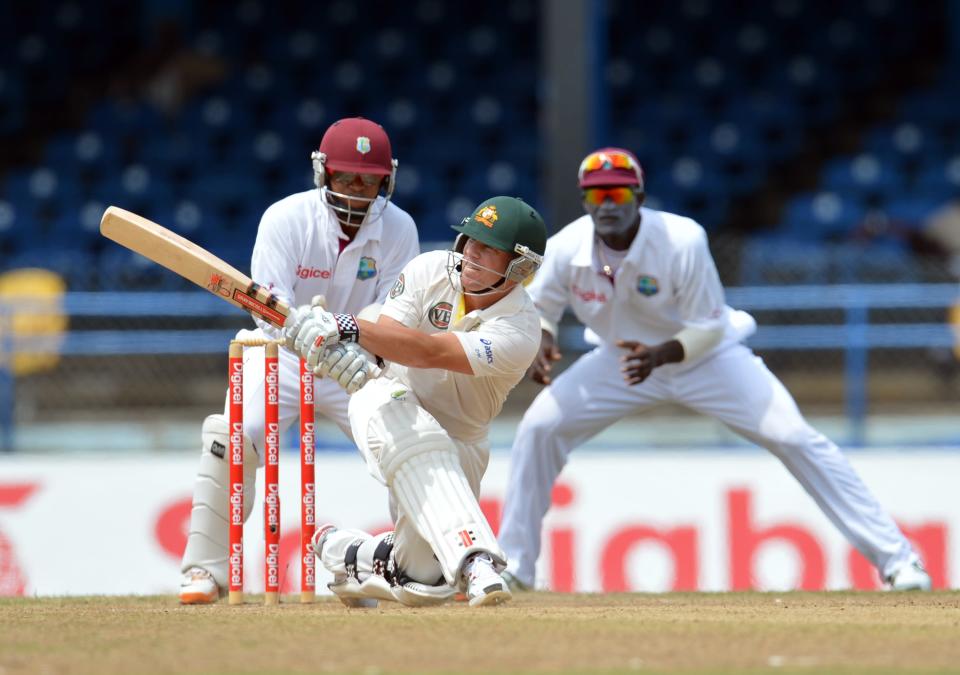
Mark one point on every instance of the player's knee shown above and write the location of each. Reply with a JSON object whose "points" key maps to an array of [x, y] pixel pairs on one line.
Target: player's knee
{"points": [[541, 421], [215, 459], [399, 432], [406, 447], [532, 429], [788, 439]]}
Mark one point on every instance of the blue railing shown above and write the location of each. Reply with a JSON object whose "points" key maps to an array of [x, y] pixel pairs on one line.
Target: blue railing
{"points": [[855, 336]]}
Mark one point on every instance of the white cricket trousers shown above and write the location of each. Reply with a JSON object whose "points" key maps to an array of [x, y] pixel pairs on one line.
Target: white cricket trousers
{"points": [[731, 385]]}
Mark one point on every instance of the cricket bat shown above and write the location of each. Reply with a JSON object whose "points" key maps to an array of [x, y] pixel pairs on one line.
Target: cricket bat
{"points": [[192, 262]]}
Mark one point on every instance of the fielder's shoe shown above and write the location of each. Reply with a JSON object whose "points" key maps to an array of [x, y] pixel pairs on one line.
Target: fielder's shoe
{"points": [[514, 584], [484, 585], [909, 577], [197, 587]]}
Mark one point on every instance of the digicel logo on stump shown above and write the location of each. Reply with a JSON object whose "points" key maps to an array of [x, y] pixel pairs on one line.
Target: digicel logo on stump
{"points": [[682, 542]]}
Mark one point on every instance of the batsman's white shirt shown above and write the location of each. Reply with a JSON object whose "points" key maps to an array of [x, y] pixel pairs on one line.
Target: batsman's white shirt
{"points": [[500, 343], [667, 282]]}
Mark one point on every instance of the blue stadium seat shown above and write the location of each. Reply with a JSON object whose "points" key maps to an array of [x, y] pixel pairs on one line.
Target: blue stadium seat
{"points": [[861, 174], [826, 215]]}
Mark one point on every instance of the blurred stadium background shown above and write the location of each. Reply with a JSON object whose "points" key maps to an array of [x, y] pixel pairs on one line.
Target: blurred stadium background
{"points": [[818, 144]]}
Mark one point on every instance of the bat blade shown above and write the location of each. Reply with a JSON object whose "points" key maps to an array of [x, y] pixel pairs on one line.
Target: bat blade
{"points": [[183, 257]]}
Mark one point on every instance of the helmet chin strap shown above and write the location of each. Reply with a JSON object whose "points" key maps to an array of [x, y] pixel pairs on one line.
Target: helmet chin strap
{"points": [[493, 288], [455, 271]]}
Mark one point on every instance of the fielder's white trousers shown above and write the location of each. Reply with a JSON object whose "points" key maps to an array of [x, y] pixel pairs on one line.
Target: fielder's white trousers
{"points": [[733, 386]]}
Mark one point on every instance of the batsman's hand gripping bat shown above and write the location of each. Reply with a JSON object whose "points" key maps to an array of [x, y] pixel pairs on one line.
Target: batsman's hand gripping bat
{"points": [[192, 262]]}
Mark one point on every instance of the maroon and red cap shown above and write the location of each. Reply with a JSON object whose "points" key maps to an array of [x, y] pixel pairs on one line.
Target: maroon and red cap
{"points": [[357, 145], [610, 166]]}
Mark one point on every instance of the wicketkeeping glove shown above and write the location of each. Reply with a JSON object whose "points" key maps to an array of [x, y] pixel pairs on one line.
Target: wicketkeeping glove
{"points": [[349, 364]]}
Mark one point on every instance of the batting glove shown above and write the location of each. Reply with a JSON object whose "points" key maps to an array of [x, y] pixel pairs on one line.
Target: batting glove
{"points": [[320, 331], [294, 324], [349, 364]]}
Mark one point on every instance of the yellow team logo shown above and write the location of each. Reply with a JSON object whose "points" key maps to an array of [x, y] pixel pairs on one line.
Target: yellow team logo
{"points": [[487, 215]]}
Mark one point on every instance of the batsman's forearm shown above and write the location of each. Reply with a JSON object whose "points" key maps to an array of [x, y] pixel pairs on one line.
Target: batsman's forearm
{"points": [[409, 347]]}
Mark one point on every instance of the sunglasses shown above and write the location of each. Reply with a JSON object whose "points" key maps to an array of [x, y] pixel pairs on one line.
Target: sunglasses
{"points": [[618, 195], [346, 178], [607, 160]]}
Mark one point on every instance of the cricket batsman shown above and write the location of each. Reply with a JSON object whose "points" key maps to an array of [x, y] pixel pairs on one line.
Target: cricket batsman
{"points": [[457, 333]]}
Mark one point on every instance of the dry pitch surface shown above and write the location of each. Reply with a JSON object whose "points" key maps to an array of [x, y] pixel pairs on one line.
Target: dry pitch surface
{"points": [[537, 632]]}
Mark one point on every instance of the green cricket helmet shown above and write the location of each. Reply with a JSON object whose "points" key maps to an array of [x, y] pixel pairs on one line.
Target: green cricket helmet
{"points": [[508, 224]]}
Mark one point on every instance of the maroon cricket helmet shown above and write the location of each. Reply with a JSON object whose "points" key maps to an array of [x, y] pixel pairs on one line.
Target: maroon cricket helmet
{"points": [[355, 144]]}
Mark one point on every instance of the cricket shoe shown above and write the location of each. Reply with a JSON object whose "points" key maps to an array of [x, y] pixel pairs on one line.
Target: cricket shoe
{"points": [[197, 587], [346, 589], [320, 536], [909, 577], [484, 586], [514, 584]]}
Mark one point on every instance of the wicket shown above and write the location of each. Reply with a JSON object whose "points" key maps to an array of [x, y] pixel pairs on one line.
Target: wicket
{"points": [[271, 501]]}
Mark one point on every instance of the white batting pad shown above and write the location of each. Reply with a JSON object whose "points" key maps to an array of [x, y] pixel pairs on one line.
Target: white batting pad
{"points": [[431, 488], [209, 529], [420, 464]]}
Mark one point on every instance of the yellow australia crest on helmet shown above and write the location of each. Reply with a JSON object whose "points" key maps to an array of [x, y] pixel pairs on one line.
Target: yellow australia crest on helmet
{"points": [[487, 215]]}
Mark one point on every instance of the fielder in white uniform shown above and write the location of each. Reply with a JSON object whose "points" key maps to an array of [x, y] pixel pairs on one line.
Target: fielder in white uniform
{"points": [[345, 240], [458, 332], [645, 283]]}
